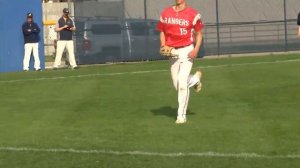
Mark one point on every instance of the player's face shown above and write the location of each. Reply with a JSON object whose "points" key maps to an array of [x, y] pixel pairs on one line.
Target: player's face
{"points": [[29, 20], [66, 15], [179, 2]]}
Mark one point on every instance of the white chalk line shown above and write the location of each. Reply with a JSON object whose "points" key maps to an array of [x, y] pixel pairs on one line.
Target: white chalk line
{"points": [[156, 154], [144, 72]]}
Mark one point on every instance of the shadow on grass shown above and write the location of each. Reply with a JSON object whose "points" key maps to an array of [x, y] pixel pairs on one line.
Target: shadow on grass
{"points": [[168, 111]]}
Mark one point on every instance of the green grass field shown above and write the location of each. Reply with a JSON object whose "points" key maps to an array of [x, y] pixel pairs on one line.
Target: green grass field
{"points": [[247, 116]]}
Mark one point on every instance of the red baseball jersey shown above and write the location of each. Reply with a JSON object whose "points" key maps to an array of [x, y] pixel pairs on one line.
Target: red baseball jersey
{"points": [[179, 26]]}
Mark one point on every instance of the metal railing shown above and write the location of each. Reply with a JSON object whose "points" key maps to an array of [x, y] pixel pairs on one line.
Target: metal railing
{"points": [[242, 37]]}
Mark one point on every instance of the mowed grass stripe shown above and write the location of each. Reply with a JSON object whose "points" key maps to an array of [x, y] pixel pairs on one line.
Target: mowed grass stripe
{"points": [[144, 153]]}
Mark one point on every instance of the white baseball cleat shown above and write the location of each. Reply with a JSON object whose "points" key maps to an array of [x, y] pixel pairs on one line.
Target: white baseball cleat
{"points": [[198, 85], [180, 121]]}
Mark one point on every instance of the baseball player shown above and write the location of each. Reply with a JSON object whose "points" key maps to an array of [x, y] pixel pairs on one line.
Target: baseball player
{"points": [[31, 38], [65, 28], [180, 33]]}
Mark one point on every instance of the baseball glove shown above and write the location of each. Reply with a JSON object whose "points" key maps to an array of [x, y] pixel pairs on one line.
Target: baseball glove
{"points": [[166, 51]]}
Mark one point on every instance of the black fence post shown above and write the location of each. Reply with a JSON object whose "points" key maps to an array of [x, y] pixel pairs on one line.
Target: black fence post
{"points": [[218, 25], [147, 33], [124, 49], [285, 27], [145, 10]]}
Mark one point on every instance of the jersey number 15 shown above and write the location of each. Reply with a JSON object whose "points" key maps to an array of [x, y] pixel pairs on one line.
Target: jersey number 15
{"points": [[183, 31]]}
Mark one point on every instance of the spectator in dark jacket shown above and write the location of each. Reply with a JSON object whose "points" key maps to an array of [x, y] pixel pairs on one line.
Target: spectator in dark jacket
{"points": [[31, 39]]}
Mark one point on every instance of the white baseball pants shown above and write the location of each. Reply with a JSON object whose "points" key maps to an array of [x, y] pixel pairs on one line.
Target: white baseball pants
{"points": [[181, 67], [31, 48], [61, 45]]}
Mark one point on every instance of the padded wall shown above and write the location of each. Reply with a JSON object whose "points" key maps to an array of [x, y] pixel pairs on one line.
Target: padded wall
{"points": [[12, 16]]}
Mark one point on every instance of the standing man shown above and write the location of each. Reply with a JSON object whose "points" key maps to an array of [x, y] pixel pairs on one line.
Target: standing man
{"points": [[180, 27], [31, 38], [65, 28]]}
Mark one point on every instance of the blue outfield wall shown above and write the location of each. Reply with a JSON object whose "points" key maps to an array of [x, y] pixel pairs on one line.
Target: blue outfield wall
{"points": [[12, 16]]}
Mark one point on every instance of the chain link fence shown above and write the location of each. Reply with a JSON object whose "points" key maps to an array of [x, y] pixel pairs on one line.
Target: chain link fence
{"points": [[125, 30]]}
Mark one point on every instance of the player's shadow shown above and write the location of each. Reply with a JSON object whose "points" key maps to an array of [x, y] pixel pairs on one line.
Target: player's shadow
{"points": [[168, 111]]}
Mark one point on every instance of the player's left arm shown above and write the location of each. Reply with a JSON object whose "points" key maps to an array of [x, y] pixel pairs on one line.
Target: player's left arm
{"points": [[73, 27], [198, 36], [36, 28], [198, 26]]}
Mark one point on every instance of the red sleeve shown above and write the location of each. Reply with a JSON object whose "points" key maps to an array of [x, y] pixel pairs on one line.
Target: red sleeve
{"points": [[198, 26], [160, 26]]}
